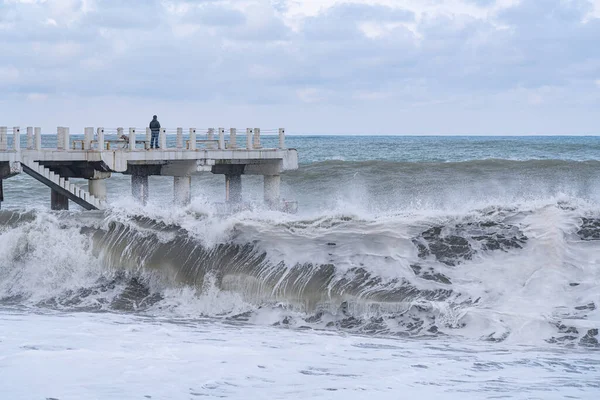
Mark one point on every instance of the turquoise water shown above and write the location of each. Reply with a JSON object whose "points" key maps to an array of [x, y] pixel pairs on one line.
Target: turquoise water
{"points": [[417, 148], [443, 148]]}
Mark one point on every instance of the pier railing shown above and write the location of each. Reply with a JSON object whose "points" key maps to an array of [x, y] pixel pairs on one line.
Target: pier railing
{"points": [[136, 139]]}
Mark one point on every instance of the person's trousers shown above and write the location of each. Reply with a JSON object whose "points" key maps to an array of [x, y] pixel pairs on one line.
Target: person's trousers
{"points": [[154, 140]]}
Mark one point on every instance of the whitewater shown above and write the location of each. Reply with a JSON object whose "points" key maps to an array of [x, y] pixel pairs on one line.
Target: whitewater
{"points": [[446, 267]]}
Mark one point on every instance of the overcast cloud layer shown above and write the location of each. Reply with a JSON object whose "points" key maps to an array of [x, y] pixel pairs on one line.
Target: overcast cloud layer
{"points": [[312, 66]]}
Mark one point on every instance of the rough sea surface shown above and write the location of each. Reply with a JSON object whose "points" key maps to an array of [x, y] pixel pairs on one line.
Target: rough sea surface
{"points": [[429, 267]]}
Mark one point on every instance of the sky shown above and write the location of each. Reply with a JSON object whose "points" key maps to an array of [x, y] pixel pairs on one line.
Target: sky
{"points": [[407, 67]]}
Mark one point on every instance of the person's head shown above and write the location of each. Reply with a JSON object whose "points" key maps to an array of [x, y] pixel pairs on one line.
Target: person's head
{"points": [[154, 117]]}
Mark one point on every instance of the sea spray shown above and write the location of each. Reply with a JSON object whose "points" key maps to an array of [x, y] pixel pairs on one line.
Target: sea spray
{"points": [[520, 274]]}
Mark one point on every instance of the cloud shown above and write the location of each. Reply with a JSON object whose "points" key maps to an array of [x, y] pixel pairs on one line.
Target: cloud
{"points": [[454, 57], [9, 73], [37, 96], [212, 14]]}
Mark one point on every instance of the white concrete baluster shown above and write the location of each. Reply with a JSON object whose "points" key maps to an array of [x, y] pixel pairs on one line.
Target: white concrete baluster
{"points": [[221, 138], [16, 138], [180, 138], [210, 136], [256, 143], [3, 138], [248, 138], [100, 139], [88, 137], [29, 137], [148, 138], [66, 138], [60, 138], [192, 145], [132, 139], [232, 138], [281, 138], [38, 138], [163, 138]]}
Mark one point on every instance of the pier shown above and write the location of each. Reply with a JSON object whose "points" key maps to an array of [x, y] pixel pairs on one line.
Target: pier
{"points": [[96, 158]]}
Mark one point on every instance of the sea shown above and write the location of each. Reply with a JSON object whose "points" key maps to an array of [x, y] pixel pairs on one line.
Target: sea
{"points": [[415, 267]]}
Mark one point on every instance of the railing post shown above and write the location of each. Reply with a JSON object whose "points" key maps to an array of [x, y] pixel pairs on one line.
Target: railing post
{"points": [[132, 139], [16, 138], [148, 138], [66, 138], [38, 138], [3, 139], [163, 138], [88, 137], [232, 138], [210, 136], [248, 138], [221, 138], [119, 133], [180, 138], [29, 137], [192, 145], [100, 139], [281, 138], [256, 143], [60, 138]]}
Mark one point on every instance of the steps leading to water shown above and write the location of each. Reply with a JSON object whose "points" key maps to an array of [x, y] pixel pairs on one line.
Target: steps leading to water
{"points": [[55, 182]]}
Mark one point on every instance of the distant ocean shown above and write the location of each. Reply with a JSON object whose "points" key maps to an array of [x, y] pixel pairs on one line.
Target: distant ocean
{"points": [[437, 267]]}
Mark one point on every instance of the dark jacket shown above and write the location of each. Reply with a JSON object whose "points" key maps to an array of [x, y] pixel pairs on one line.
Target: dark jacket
{"points": [[155, 126]]}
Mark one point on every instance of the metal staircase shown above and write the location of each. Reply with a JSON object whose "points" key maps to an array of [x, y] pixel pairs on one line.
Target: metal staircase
{"points": [[62, 186]]}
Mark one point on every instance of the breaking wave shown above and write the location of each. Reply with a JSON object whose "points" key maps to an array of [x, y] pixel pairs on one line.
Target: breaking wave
{"points": [[526, 273]]}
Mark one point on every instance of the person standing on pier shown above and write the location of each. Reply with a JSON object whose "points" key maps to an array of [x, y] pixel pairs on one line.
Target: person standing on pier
{"points": [[155, 128]]}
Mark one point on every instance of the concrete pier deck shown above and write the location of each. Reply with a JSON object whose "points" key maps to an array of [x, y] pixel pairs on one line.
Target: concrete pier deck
{"points": [[94, 158]]}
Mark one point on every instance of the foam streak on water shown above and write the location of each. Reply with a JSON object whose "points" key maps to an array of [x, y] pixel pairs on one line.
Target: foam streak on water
{"points": [[85, 355]]}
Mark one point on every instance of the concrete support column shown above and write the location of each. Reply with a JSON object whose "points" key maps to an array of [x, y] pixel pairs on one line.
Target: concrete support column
{"points": [[233, 188], [88, 137], [148, 138], [97, 188], [132, 138], [38, 138], [29, 137], [162, 138], [192, 145], [182, 189], [272, 184], [16, 138], [179, 138], [3, 138], [248, 138], [100, 139], [232, 138], [281, 138], [139, 188], [58, 201]]}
